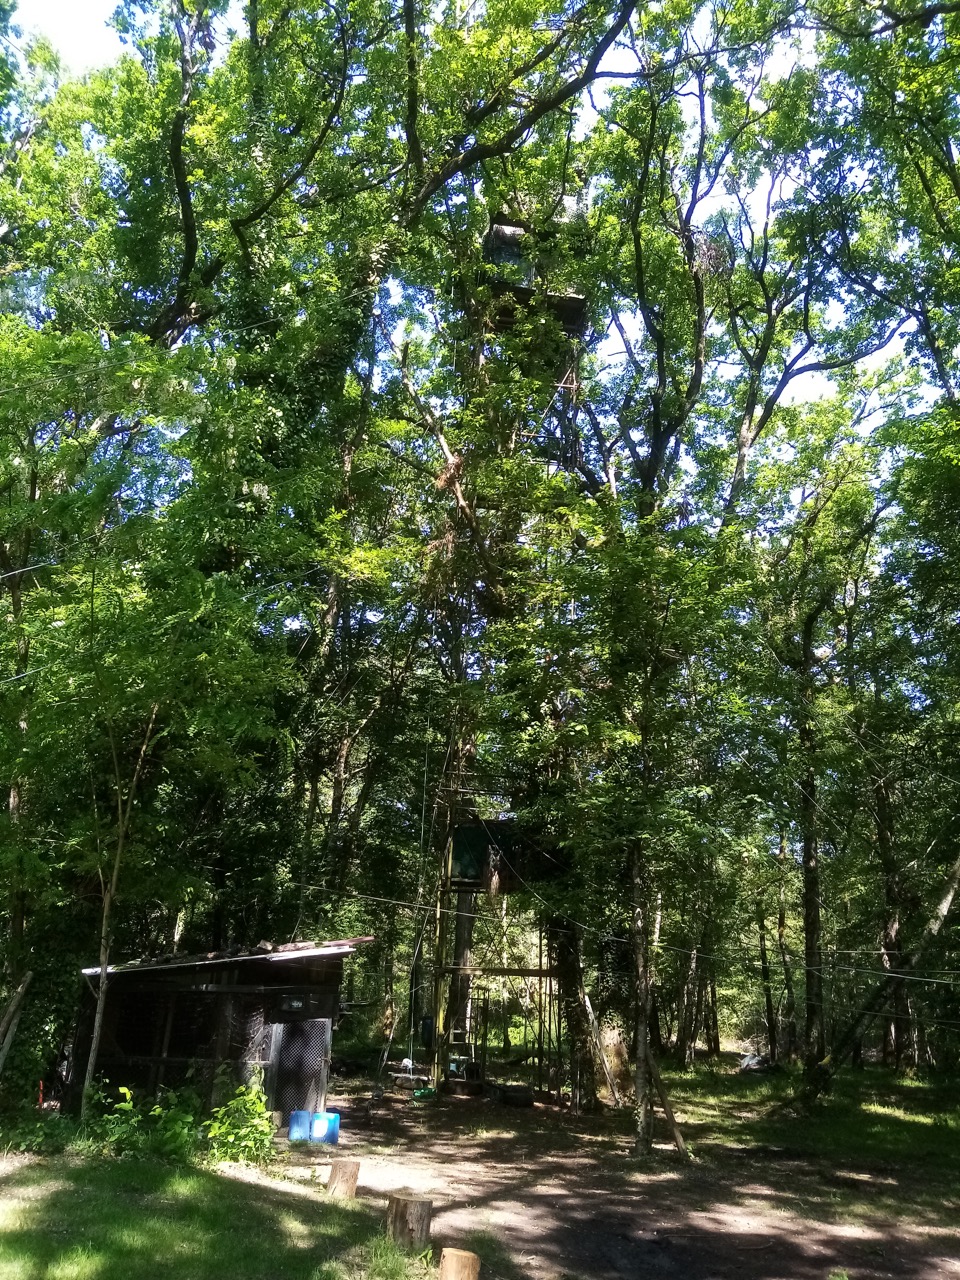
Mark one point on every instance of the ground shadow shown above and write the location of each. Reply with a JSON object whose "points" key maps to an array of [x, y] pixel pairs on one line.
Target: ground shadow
{"points": [[865, 1185]]}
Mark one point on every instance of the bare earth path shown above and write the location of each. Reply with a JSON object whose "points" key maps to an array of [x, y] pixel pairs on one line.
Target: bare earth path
{"points": [[555, 1198]]}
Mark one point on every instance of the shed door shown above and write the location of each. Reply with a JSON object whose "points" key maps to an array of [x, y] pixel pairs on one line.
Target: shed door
{"points": [[302, 1062]]}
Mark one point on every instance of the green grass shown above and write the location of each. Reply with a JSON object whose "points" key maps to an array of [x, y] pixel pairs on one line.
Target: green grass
{"points": [[68, 1219], [877, 1146], [494, 1258]]}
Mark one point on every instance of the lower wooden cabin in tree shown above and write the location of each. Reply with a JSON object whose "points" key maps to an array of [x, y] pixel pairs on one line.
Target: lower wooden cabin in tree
{"points": [[178, 1020]]}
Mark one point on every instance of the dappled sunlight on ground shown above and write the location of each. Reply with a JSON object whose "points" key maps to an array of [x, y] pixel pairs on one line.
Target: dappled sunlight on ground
{"points": [[855, 1188], [771, 1196]]}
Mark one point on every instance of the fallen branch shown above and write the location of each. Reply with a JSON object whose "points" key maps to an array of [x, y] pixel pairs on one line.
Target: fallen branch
{"points": [[11, 1016], [667, 1108]]}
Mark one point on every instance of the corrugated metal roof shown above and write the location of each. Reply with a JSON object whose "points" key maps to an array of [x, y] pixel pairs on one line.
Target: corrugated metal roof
{"points": [[284, 951]]}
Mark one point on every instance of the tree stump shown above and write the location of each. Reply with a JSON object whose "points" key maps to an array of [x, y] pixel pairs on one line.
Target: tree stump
{"points": [[458, 1264], [408, 1220], [342, 1182]]}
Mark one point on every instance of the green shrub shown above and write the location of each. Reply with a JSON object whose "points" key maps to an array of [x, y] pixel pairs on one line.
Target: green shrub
{"points": [[45, 1133], [242, 1129], [175, 1132], [169, 1130]]}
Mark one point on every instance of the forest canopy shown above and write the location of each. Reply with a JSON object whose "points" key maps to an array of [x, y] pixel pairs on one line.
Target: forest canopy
{"points": [[418, 414]]}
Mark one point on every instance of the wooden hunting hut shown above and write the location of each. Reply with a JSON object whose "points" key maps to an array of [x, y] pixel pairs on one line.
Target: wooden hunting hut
{"points": [[513, 253], [175, 1020]]}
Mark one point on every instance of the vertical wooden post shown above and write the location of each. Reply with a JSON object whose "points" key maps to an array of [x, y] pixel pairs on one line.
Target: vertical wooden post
{"points": [[165, 1042], [559, 1034], [439, 956], [324, 1065], [486, 1027], [221, 1051], [549, 1021], [459, 1006], [540, 1015], [273, 1064]]}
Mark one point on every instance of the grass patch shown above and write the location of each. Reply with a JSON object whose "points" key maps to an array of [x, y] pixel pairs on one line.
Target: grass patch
{"points": [[876, 1147], [64, 1219], [494, 1258]]}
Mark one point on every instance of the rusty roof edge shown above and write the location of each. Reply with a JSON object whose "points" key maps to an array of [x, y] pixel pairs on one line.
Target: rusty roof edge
{"points": [[311, 951]]}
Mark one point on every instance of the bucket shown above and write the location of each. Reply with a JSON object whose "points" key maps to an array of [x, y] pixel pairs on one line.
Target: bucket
{"points": [[325, 1127], [299, 1126]]}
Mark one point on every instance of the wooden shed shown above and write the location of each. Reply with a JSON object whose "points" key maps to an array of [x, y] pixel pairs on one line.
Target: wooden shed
{"points": [[178, 1020]]}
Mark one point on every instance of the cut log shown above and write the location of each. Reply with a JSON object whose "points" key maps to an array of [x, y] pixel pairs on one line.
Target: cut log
{"points": [[458, 1264], [408, 1220], [342, 1182]]}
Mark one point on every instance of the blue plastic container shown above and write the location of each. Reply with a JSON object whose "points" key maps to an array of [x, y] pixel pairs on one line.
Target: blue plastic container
{"points": [[325, 1127], [300, 1126]]}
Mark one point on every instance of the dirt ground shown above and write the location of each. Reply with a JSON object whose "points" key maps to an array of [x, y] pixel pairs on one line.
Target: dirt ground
{"points": [[542, 1195], [545, 1196]]}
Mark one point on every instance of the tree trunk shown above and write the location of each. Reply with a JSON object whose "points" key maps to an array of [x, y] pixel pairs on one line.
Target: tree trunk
{"points": [[896, 1028], [573, 1000], [790, 1008], [713, 1021], [643, 1080], [105, 927], [686, 1018], [876, 1001], [814, 1043], [600, 1054], [11, 1016], [765, 980], [18, 897], [654, 1032], [668, 1110], [814, 1039], [911, 1055], [124, 811], [13, 575]]}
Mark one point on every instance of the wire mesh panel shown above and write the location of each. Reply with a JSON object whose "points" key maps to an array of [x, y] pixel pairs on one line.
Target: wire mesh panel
{"points": [[302, 1064], [250, 1040]]}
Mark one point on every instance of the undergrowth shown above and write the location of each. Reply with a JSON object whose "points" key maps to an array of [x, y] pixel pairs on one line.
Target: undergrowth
{"points": [[175, 1127]]}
